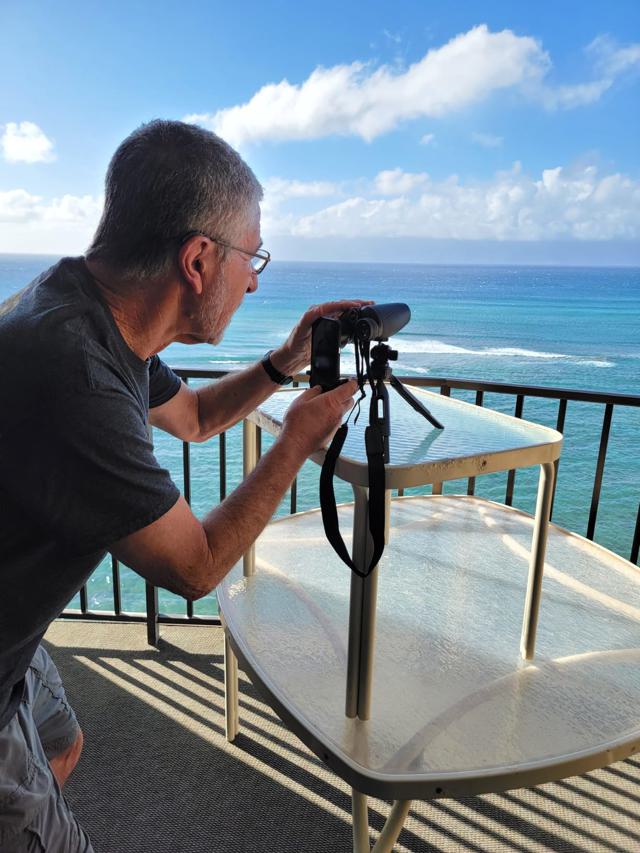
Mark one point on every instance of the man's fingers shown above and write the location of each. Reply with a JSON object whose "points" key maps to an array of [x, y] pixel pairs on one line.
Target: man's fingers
{"points": [[310, 393], [348, 388], [344, 393], [337, 307]]}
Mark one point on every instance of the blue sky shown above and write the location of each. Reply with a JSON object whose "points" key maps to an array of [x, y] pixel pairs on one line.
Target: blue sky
{"points": [[405, 131]]}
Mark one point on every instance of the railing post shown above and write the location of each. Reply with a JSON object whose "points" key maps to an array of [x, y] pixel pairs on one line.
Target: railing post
{"points": [[436, 488], [153, 626], [249, 461], [223, 465], [117, 597], [151, 594], [562, 413], [186, 483], [511, 478], [471, 482], [636, 540], [597, 484]]}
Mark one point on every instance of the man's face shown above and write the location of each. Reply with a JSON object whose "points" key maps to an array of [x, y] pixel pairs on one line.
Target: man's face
{"points": [[224, 294]]}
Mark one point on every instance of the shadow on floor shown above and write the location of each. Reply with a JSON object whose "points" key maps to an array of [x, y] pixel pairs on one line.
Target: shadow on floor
{"points": [[157, 774]]}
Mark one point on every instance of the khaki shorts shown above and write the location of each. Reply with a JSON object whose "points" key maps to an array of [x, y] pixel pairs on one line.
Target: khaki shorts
{"points": [[34, 815]]}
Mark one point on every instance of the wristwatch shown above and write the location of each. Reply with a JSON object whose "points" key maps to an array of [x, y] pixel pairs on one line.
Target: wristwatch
{"points": [[272, 372]]}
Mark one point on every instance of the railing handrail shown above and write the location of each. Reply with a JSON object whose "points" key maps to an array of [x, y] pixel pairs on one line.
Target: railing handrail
{"points": [[549, 391]]}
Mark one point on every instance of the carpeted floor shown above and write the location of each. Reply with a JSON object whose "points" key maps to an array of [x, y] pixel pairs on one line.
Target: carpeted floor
{"points": [[157, 775]]}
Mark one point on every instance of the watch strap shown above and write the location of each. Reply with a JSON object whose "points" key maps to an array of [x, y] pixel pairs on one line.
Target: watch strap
{"points": [[272, 372]]}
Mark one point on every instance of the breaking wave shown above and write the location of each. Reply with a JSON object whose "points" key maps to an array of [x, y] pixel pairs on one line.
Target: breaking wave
{"points": [[435, 347]]}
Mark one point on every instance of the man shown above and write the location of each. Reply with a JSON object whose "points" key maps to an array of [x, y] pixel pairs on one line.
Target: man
{"points": [[177, 248]]}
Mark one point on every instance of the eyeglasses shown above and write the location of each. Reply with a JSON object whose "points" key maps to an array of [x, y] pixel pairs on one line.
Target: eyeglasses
{"points": [[259, 259]]}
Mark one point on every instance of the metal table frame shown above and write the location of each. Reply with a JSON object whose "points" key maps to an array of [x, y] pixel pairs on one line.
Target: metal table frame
{"points": [[363, 591]]}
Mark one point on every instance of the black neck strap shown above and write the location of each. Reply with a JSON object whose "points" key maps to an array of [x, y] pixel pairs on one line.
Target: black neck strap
{"points": [[375, 460]]}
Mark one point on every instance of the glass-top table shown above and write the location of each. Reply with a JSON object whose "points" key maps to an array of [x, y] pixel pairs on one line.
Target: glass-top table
{"points": [[474, 441], [455, 710], [455, 697]]}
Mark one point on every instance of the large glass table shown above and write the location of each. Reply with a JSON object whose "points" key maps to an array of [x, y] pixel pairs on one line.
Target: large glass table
{"points": [[461, 693]]}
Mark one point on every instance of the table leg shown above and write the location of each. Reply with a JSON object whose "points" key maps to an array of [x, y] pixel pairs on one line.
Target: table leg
{"points": [[360, 553], [392, 827], [390, 831], [360, 822], [249, 462], [536, 565], [230, 691], [362, 609]]}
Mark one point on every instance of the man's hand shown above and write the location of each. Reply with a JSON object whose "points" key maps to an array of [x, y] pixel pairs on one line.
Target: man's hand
{"points": [[313, 418], [295, 354]]}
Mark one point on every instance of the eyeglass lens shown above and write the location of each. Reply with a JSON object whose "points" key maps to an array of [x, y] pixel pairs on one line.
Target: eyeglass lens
{"points": [[258, 263]]}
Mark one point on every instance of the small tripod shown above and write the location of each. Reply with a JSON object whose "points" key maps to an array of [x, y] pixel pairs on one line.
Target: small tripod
{"points": [[379, 370], [377, 446]]}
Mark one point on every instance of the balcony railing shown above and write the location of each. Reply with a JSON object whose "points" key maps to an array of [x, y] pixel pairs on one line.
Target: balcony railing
{"points": [[509, 397]]}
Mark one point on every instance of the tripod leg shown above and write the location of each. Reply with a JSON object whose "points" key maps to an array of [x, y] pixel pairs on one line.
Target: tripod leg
{"points": [[413, 401]]}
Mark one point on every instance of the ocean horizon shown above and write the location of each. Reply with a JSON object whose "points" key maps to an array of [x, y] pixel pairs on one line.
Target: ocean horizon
{"points": [[560, 326]]}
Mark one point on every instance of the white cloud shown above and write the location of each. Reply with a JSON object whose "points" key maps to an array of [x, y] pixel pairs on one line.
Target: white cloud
{"points": [[71, 208], [281, 188], [612, 60], [278, 192], [568, 97], [428, 139], [62, 225], [26, 143], [397, 182], [487, 140], [358, 99], [563, 203], [18, 206], [21, 206], [363, 100]]}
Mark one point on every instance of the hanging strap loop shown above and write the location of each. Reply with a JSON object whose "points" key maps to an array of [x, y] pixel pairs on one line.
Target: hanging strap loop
{"points": [[375, 465]]}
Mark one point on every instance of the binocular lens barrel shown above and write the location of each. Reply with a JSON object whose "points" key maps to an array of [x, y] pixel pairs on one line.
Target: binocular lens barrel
{"points": [[381, 321]]}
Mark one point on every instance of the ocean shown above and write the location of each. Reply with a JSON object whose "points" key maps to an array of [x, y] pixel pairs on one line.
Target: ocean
{"points": [[576, 328]]}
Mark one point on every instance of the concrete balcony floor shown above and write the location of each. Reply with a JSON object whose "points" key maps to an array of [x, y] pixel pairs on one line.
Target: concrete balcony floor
{"points": [[157, 774]]}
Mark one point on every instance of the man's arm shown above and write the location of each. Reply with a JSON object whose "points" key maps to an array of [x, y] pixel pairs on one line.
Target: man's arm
{"points": [[190, 557], [197, 414]]}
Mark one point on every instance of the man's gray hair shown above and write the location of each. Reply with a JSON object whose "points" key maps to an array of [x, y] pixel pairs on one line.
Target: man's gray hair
{"points": [[166, 179]]}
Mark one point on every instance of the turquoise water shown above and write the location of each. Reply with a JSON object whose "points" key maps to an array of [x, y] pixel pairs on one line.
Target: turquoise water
{"points": [[565, 327]]}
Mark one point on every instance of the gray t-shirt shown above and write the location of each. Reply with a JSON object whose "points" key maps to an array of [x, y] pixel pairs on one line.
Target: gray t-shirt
{"points": [[77, 469]]}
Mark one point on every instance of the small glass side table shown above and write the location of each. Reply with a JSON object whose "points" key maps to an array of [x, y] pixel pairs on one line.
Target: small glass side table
{"points": [[453, 702]]}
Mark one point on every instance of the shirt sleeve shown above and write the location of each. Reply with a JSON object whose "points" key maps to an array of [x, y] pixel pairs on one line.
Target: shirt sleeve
{"points": [[163, 382], [87, 476]]}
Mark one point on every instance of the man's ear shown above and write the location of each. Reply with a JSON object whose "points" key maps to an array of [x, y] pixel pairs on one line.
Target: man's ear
{"points": [[196, 258]]}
